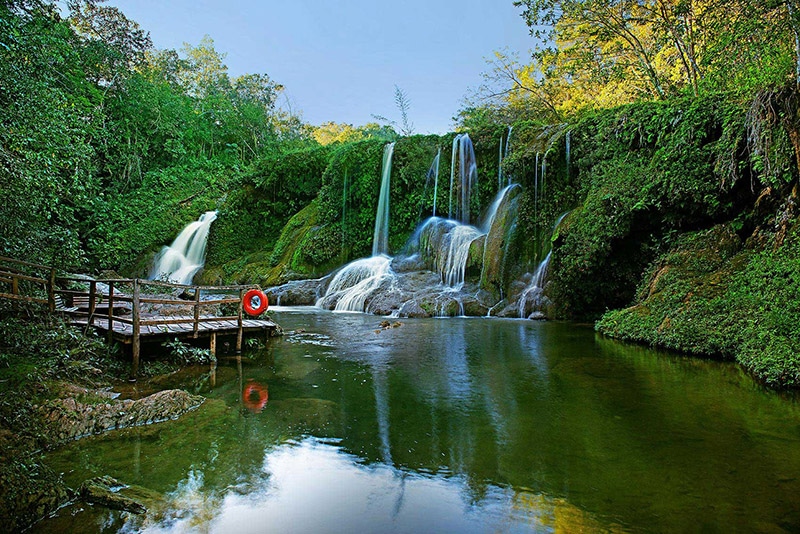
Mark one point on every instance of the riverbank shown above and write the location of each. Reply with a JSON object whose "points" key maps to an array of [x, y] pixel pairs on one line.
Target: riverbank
{"points": [[56, 386]]}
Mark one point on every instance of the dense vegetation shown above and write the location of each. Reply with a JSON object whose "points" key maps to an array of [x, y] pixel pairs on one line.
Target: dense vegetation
{"points": [[653, 124]]}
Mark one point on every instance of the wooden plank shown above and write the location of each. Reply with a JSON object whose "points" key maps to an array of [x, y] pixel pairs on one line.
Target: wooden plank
{"points": [[19, 276], [135, 347], [22, 297], [20, 262]]}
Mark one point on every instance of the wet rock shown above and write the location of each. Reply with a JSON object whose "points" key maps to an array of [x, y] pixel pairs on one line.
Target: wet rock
{"points": [[298, 292], [412, 308], [105, 491], [68, 419]]}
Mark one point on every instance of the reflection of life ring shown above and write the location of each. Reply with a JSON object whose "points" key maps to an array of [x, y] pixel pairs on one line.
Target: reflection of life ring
{"points": [[255, 302], [254, 397]]}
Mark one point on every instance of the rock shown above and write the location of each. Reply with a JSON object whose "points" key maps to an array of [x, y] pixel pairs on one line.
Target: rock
{"points": [[298, 292], [412, 308], [69, 419], [105, 492]]}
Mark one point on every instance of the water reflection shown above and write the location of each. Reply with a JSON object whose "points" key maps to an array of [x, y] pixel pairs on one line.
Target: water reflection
{"points": [[254, 396], [458, 425]]}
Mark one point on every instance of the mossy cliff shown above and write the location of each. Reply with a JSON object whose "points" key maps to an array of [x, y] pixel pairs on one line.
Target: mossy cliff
{"points": [[686, 219], [680, 216]]}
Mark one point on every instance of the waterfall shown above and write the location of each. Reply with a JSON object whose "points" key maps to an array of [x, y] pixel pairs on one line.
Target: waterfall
{"points": [[355, 282], [566, 150], [380, 240], [463, 177], [434, 173], [453, 264], [180, 261], [503, 154], [533, 296], [500, 153], [453, 154]]}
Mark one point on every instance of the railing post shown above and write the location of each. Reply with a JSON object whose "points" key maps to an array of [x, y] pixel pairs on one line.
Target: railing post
{"points": [[239, 333], [196, 310], [110, 312], [92, 302], [14, 285], [51, 290], [135, 344]]}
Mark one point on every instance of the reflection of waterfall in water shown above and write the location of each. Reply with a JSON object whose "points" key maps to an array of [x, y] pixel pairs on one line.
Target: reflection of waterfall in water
{"points": [[180, 261], [532, 298]]}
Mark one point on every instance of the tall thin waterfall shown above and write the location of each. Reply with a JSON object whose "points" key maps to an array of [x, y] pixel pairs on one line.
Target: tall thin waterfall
{"points": [[180, 261], [567, 149], [380, 240], [503, 154], [356, 281], [463, 177], [434, 172]]}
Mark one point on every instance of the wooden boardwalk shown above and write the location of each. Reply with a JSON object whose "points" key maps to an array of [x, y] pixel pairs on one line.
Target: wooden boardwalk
{"points": [[131, 311]]}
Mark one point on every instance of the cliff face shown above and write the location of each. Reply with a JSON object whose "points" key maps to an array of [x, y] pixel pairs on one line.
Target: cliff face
{"points": [[687, 231]]}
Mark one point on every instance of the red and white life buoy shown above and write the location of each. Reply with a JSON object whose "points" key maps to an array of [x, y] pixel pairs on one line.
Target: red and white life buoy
{"points": [[255, 302], [254, 397]]}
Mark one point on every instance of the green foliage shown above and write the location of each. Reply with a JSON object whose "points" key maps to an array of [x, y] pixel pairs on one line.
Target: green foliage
{"points": [[185, 354], [646, 171], [278, 185], [34, 352], [707, 296]]}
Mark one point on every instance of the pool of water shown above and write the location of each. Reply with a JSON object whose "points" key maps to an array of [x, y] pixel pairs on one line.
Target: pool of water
{"points": [[452, 425]]}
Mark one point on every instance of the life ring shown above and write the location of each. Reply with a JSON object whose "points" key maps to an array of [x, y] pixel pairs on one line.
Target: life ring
{"points": [[254, 397], [255, 302]]}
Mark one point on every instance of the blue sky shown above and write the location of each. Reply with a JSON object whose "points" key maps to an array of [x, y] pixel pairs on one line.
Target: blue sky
{"points": [[340, 60]]}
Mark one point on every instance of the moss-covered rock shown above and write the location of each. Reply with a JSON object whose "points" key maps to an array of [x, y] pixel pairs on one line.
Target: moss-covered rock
{"points": [[710, 295]]}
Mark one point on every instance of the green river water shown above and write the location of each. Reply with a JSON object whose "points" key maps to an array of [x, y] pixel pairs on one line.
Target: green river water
{"points": [[452, 425]]}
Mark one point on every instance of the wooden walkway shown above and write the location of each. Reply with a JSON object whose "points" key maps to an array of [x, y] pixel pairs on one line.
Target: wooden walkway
{"points": [[131, 311]]}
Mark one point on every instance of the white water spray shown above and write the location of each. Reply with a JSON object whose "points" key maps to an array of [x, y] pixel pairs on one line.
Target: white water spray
{"points": [[180, 261]]}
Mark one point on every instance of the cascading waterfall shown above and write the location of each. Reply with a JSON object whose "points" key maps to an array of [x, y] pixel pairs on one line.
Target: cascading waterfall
{"points": [[463, 177], [532, 298], [355, 282], [380, 240], [446, 243], [180, 261]]}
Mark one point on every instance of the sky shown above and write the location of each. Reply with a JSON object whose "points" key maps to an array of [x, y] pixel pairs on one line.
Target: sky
{"points": [[340, 60]]}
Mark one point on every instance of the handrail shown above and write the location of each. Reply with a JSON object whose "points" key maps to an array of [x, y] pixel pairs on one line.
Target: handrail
{"points": [[56, 286]]}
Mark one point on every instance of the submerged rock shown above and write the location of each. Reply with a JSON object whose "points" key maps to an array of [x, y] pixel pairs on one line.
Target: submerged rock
{"points": [[105, 491], [68, 419]]}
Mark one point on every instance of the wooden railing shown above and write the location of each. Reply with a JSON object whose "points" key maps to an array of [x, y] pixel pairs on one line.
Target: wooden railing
{"points": [[27, 281], [32, 282]]}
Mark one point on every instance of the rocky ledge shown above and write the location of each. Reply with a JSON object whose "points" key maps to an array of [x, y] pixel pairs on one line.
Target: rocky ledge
{"points": [[93, 412]]}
